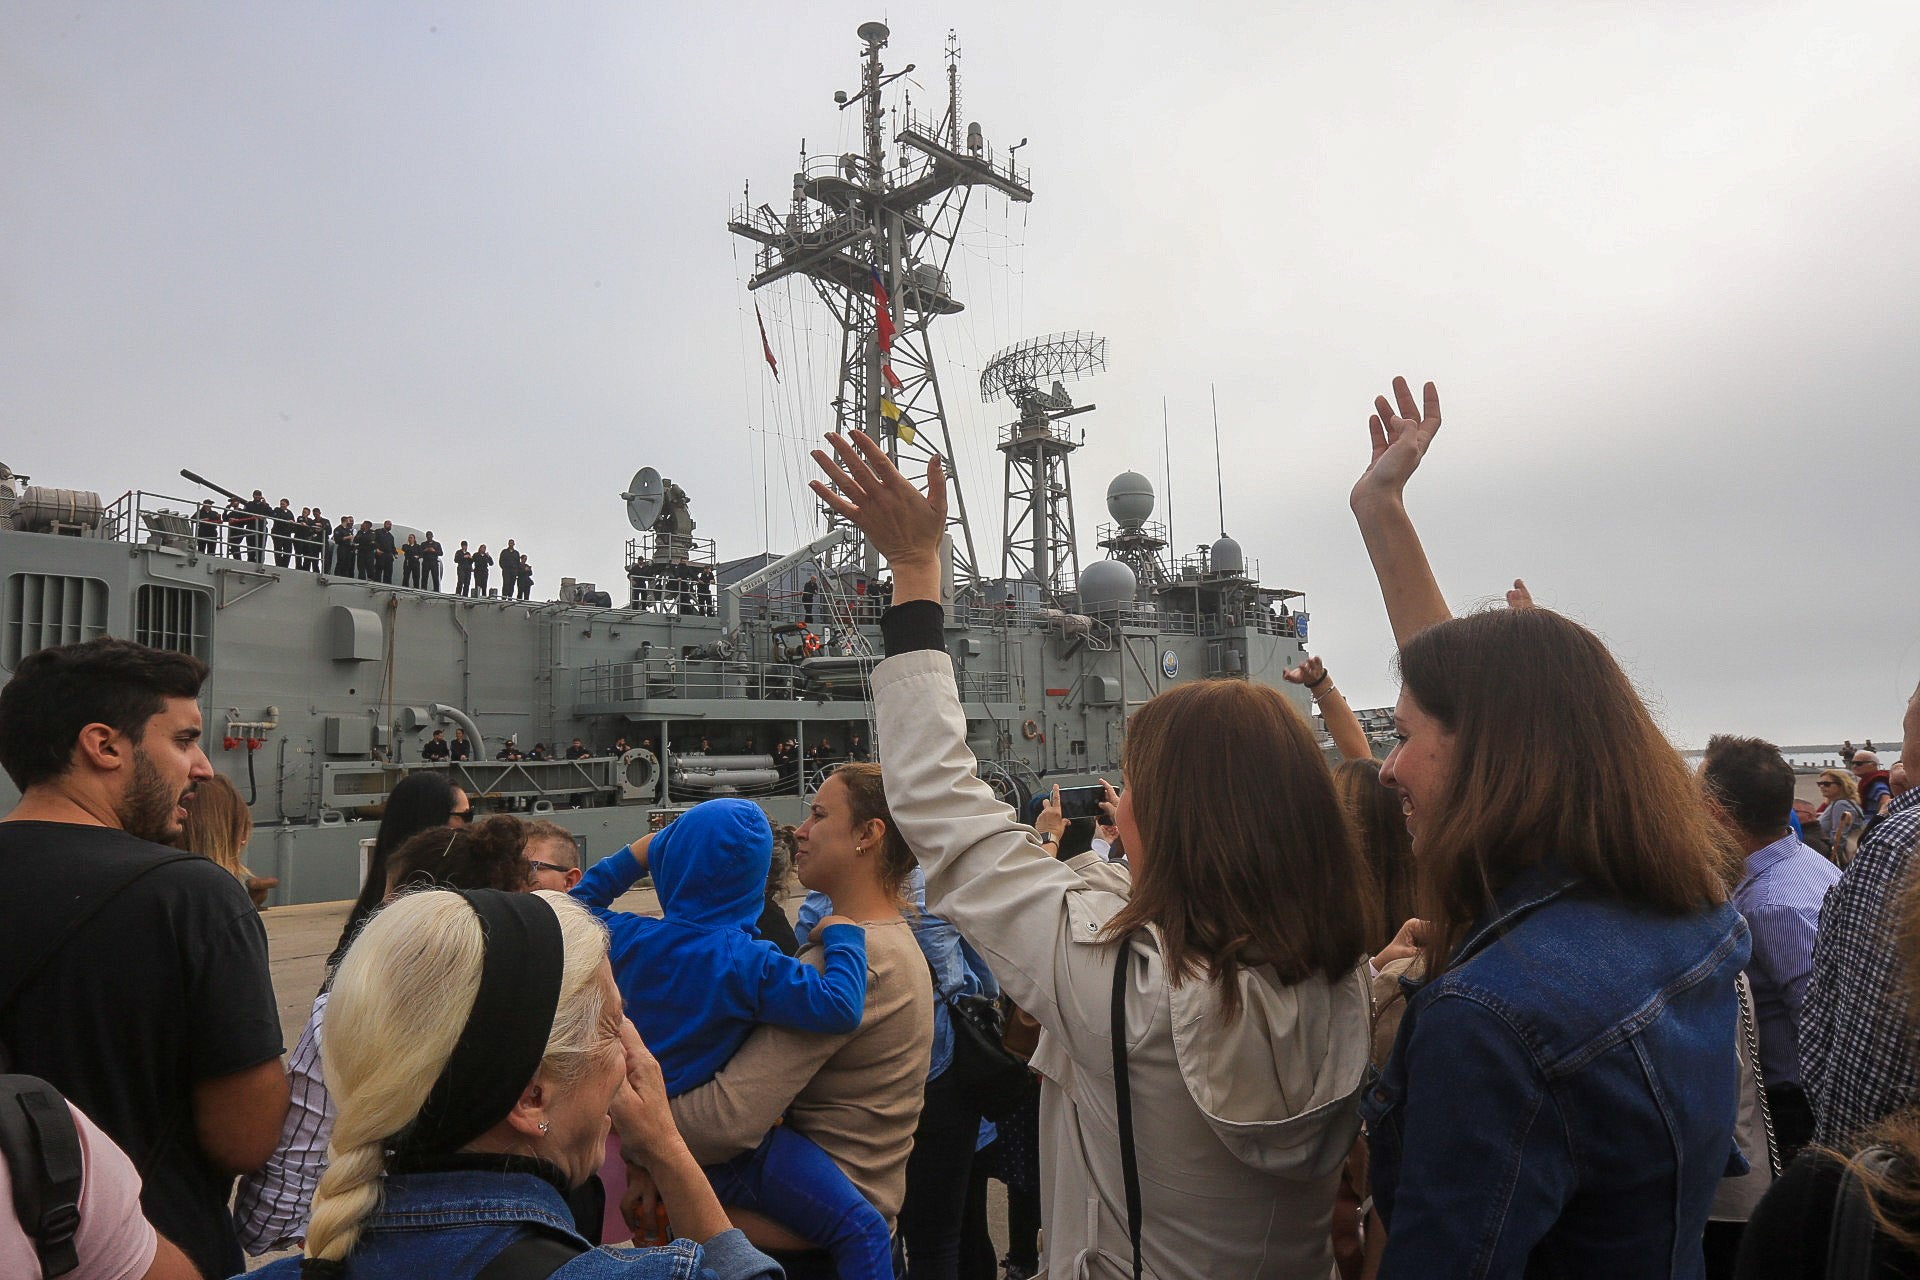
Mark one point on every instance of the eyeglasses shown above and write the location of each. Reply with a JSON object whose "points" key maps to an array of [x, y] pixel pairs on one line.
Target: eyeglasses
{"points": [[460, 815], [1824, 782], [539, 866]]}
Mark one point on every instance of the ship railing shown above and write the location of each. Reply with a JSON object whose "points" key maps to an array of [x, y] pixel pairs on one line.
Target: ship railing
{"points": [[984, 686], [927, 127], [1052, 429], [1151, 530], [357, 785], [1255, 618], [1197, 568], [647, 678], [154, 519], [653, 548]]}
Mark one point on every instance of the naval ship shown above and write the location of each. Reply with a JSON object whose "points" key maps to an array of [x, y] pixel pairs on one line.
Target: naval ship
{"points": [[325, 687]]}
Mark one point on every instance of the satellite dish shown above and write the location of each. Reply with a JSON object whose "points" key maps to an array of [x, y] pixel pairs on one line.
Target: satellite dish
{"points": [[644, 496], [873, 32]]}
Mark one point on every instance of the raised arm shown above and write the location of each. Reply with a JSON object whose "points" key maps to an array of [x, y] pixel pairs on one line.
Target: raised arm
{"points": [[612, 876], [1348, 737], [1400, 441]]}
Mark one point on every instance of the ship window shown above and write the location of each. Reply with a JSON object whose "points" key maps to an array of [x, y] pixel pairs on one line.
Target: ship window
{"points": [[171, 618], [47, 609]]}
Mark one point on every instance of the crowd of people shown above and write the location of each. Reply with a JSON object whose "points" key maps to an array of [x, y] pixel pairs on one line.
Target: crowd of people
{"points": [[1499, 1005], [309, 542]]}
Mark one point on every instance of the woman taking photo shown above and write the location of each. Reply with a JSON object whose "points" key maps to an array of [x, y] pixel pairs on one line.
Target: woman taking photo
{"points": [[476, 1046], [1560, 1096], [857, 1095], [1234, 972]]}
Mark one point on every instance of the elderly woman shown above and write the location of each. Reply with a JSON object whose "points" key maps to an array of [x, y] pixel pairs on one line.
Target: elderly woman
{"points": [[1204, 1035], [477, 1048], [1841, 818], [271, 1208]]}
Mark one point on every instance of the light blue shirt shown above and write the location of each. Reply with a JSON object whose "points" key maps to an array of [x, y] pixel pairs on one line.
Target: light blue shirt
{"points": [[957, 968], [1780, 896]]}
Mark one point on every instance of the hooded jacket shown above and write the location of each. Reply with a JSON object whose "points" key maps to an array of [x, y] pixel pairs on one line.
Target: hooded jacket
{"points": [[696, 981], [1240, 1127]]}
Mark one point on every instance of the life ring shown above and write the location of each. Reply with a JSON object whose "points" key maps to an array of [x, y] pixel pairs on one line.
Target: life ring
{"points": [[1030, 730], [811, 644]]}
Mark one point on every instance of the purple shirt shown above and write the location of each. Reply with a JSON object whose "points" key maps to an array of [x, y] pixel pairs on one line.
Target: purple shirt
{"points": [[1780, 896]]}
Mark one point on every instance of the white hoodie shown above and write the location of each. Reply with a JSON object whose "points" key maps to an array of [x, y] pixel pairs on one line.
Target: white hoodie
{"points": [[1240, 1128]]}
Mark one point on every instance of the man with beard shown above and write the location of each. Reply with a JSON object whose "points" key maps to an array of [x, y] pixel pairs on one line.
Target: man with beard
{"points": [[138, 974]]}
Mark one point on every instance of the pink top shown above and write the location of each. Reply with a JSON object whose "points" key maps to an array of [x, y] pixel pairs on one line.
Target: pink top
{"points": [[114, 1241]]}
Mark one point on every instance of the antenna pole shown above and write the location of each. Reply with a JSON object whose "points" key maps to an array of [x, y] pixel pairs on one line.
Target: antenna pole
{"points": [[1166, 455], [1219, 482]]}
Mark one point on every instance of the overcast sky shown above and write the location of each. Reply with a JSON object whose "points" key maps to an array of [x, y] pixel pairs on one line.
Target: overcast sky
{"points": [[465, 266]]}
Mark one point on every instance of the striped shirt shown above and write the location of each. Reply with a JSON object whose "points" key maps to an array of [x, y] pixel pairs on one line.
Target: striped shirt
{"points": [[1857, 1059], [273, 1205]]}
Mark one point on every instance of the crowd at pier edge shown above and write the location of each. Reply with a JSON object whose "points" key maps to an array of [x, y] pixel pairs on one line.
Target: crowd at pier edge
{"points": [[1490, 1007]]}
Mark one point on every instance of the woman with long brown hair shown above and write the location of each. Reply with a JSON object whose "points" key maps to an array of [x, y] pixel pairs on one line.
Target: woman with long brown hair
{"points": [[1560, 1096], [1205, 1138]]}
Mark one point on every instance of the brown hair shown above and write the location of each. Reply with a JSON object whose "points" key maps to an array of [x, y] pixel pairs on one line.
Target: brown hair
{"points": [[218, 824], [1553, 754], [1373, 811], [539, 829], [867, 802], [483, 855], [1248, 860]]}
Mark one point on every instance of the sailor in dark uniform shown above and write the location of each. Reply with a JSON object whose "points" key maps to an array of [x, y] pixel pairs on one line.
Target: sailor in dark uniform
{"points": [[206, 528], [482, 566], [343, 548], [383, 551], [257, 534], [239, 520], [509, 570], [706, 591], [284, 525], [364, 551], [459, 749], [430, 563], [526, 580], [462, 570], [409, 563], [435, 748]]}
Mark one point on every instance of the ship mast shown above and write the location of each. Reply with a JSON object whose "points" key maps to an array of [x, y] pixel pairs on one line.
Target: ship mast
{"points": [[854, 215]]}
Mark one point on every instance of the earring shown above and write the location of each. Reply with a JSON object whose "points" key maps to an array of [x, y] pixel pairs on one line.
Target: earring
{"points": [[543, 1126]]}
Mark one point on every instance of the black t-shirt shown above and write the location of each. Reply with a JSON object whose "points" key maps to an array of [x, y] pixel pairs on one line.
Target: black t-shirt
{"points": [[166, 986], [1787, 1237]]}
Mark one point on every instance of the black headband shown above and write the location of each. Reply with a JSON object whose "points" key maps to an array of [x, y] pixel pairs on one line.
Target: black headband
{"points": [[506, 1032]]}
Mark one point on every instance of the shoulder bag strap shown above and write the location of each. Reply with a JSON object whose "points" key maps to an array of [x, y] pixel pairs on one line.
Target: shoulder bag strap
{"points": [[1850, 1237], [1751, 1032], [41, 1146], [1123, 1099], [533, 1257], [73, 926]]}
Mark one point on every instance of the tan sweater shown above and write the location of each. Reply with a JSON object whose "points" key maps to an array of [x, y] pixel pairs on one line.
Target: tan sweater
{"points": [[857, 1095]]}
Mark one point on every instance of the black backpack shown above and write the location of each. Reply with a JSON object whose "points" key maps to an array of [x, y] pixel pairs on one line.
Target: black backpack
{"points": [[41, 1145]]}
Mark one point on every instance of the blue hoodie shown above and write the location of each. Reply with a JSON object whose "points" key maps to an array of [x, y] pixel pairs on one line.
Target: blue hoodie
{"points": [[697, 981]]}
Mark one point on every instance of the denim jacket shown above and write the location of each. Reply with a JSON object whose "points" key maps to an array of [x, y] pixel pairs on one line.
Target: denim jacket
{"points": [[1560, 1102], [452, 1224]]}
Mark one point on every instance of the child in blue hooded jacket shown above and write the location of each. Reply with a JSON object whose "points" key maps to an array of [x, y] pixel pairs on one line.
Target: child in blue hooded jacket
{"points": [[698, 980]]}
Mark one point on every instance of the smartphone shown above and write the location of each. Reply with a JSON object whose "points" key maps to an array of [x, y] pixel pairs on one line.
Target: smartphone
{"points": [[1082, 802]]}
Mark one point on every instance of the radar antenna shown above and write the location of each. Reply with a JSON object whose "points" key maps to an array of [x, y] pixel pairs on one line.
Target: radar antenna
{"points": [[855, 218], [1042, 546]]}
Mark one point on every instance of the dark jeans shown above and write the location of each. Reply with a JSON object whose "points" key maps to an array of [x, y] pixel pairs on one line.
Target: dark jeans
{"points": [[936, 1202], [1014, 1158]]}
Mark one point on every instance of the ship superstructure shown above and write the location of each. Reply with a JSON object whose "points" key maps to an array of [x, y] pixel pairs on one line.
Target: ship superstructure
{"points": [[325, 687]]}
